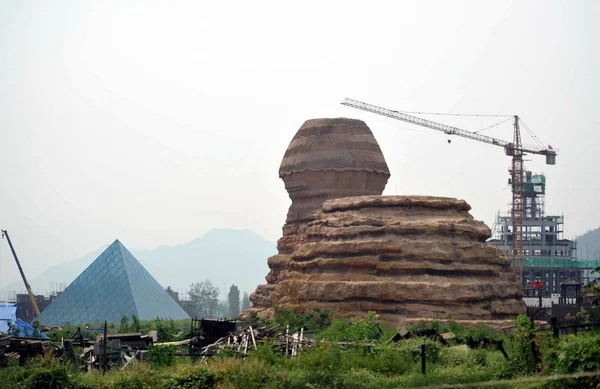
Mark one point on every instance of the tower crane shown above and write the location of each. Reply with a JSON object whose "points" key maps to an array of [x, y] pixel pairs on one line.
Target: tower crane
{"points": [[27, 286], [514, 149]]}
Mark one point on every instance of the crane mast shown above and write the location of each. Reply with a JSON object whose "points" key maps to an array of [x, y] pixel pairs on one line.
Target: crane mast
{"points": [[514, 149], [27, 286], [516, 212]]}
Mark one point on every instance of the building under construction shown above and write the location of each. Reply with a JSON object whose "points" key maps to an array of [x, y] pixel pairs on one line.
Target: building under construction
{"points": [[547, 255]]}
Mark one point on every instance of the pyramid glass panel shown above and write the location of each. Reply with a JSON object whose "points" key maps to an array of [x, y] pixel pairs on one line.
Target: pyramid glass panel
{"points": [[113, 286]]}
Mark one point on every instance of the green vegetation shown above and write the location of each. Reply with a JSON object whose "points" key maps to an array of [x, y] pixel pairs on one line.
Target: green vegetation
{"points": [[167, 330], [245, 301], [318, 319], [233, 301], [205, 297], [13, 330], [353, 354]]}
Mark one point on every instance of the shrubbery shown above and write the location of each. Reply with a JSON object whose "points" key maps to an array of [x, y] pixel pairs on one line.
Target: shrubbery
{"points": [[342, 330], [161, 356], [38, 373], [347, 354], [191, 377], [522, 361], [317, 319], [578, 353]]}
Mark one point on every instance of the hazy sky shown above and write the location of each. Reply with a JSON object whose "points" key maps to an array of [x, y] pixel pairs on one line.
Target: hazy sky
{"points": [[153, 122]]}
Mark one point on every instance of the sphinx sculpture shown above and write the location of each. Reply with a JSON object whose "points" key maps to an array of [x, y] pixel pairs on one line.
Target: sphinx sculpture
{"points": [[348, 249]]}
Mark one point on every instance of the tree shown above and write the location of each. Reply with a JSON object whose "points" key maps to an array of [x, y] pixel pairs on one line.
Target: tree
{"points": [[123, 328], [233, 300], [246, 301], [205, 295], [223, 309], [13, 330], [136, 324], [593, 290], [165, 330], [36, 329]]}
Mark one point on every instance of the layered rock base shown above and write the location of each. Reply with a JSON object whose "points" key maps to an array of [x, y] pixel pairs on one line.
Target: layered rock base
{"points": [[408, 258]]}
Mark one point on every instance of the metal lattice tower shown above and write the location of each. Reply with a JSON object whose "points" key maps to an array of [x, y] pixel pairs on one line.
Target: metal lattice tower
{"points": [[517, 173]]}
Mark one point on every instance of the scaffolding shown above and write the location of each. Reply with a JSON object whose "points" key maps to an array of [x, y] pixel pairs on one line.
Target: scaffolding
{"points": [[547, 255], [534, 192]]}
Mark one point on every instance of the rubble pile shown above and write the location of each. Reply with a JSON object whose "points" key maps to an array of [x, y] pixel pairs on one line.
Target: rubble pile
{"points": [[23, 348], [240, 342]]}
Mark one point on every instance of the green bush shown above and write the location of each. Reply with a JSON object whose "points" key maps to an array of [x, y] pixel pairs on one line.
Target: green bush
{"points": [[387, 360], [479, 359], [196, 378], [46, 372], [368, 328], [245, 374], [268, 353], [324, 378], [54, 378], [68, 331], [161, 356], [11, 374], [321, 356], [413, 347], [129, 382], [522, 361], [315, 320], [480, 332], [337, 331], [166, 331], [327, 364], [477, 332], [454, 356], [578, 353]]}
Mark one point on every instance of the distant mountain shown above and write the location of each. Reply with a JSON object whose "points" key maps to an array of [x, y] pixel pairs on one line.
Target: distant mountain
{"points": [[589, 243], [50, 280], [224, 256]]}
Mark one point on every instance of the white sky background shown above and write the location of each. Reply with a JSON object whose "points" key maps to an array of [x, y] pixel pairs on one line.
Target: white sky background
{"points": [[153, 122]]}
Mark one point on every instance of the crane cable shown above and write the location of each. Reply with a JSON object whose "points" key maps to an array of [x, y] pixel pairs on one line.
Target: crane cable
{"points": [[533, 136], [493, 125], [453, 114], [508, 117]]}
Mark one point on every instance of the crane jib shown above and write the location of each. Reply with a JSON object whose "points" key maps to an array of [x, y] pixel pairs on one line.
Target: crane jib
{"points": [[448, 130]]}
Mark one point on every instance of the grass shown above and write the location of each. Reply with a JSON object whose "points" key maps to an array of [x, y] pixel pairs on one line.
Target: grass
{"points": [[371, 364]]}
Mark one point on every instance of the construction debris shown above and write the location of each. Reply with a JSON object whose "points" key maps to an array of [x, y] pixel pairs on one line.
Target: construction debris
{"points": [[23, 348], [239, 342], [120, 349], [207, 331]]}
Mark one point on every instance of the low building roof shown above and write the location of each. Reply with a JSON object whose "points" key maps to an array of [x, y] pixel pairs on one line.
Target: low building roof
{"points": [[571, 281], [8, 319]]}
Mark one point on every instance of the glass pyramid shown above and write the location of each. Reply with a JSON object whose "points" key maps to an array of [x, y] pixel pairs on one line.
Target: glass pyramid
{"points": [[113, 286]]}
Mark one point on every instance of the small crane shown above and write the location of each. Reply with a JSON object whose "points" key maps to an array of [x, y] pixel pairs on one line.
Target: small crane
{"points": [[514, 149], [27, 286]]}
